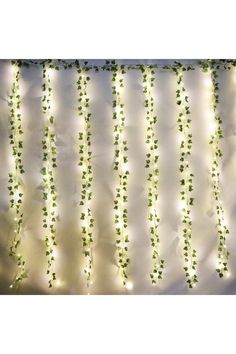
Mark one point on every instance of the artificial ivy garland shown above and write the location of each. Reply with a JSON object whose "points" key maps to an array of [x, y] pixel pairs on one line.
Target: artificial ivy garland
{"points": [[184, 127], [152, 156], [86, 218], [121, 167], [48, 172], [15, 186], [211, 68]]}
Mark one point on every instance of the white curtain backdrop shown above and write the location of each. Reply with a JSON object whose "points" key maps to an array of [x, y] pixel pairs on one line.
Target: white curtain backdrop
{"points": [[69, 252]]}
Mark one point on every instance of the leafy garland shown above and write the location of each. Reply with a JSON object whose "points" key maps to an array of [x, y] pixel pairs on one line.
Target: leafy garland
{"points": [[152, 156], [15, 186], [120, 165], [108, 65], [48, 173], [86, 218], [184, 127], [211, 68]]}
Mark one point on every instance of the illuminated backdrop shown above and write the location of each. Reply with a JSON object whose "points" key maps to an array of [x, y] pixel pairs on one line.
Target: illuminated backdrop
{"points": [[117, 177]]}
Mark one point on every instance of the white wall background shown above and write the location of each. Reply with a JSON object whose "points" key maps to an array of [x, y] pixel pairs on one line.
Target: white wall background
{"points": [[68, 184]]}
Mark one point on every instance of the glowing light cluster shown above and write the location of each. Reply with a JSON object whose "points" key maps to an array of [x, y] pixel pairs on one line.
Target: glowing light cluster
{"points": [[86, 218], [48, 172], [15, 186], [215, 135], [121, 167], [186, 198], [151, 166]]}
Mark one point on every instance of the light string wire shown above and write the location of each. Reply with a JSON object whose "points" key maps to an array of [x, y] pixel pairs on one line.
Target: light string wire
{"points": [[48, 172], [85, 153], [121, 167], [211, 68], [184, 127], [15, 185], [152, 157]]}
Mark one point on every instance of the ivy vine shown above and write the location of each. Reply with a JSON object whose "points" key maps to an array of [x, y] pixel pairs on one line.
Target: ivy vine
{"points": [[85, 153], [211, 68], [15, 185], [186, 181], [48, 172], [152, 156], [121, 167]]}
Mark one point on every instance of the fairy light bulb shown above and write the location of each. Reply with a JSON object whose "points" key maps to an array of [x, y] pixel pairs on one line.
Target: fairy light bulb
{"points": [[84, 223], [119, 225], [182, 204], [191, 272], [207, 82], [180, 137], [118, 88], [129, 285]]}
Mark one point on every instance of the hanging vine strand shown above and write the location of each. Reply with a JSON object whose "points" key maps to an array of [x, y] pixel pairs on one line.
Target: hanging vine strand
{"points": [[121, 167], [15, 186], [48, 172], [151, 166], [184, 127], [86, 218], [211, 68]]}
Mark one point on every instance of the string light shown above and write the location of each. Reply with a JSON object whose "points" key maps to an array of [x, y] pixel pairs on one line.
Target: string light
{"points": [[15, 186], [216, 133], [121, 167], [48, 171], [129, 285], [186, 199], [86, 219], [151, 166]]}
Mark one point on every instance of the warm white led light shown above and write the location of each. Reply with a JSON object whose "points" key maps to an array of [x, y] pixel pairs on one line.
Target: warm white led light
{"points": [[192, 272], [129, 285], [119, 224], [180, 138], [212, 127], [59, 283], [207, 82], [182, 204]]}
